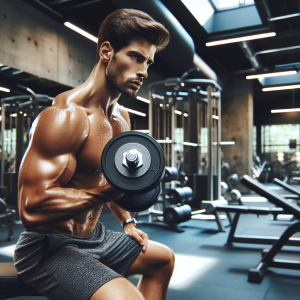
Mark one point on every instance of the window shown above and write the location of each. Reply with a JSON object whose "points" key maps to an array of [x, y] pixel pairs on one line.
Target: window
{"points": [[229, 4], [279, 138]]}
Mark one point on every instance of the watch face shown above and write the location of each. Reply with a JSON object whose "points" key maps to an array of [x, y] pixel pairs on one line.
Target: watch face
{"points": [[133, 220]]}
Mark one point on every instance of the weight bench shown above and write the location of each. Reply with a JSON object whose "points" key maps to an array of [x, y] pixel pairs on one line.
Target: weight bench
{"points": [[11, 285], [289, 188], [7, 217], [283, 207]]}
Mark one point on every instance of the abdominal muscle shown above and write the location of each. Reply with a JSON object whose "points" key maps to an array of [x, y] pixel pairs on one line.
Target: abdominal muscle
{"points": [[85, 223]]}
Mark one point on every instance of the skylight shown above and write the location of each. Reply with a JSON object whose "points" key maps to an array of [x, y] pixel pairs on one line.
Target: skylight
{"points": [[228, 4], [201, 9]]}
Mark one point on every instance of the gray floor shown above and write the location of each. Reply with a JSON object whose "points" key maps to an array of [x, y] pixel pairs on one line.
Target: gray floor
{"points": [[205, 268]]}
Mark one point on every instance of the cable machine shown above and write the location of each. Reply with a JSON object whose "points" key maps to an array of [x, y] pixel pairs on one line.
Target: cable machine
{"points": [[185, 118], [18, 114]]}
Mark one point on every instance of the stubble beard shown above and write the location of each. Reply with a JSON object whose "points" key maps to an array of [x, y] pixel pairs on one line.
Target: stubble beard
{"points": [[118, 82]]}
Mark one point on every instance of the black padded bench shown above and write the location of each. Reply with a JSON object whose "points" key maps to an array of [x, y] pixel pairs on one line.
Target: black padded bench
{"points": [[283, 207], [7, 218], [10, 284], [263, 240]]}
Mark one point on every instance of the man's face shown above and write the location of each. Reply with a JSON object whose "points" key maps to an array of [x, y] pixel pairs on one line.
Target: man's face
{"points": [[129, 67]]}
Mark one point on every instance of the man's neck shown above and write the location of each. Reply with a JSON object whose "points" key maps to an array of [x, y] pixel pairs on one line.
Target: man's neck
{"points": [[97, 92]]}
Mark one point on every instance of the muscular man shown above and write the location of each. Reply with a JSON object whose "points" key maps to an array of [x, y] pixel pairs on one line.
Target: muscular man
{"points": [[65, 253]]}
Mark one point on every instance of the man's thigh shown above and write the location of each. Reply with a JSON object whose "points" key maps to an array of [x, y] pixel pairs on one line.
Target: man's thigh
{"points": [[73, 274], [155, 256], [116, 289]]}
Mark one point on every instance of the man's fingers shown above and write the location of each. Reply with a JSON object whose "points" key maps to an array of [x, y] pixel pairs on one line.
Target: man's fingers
{"points": [[145, 238], [138, 238]]}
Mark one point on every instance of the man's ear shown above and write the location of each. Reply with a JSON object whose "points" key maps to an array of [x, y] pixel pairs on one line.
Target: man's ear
{"points": [[106, 51]]}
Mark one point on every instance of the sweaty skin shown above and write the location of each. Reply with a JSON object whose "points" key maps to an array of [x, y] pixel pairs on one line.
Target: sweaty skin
{"points": [[61, 185]]}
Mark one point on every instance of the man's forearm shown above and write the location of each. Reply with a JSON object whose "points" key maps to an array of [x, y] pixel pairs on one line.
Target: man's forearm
{"points": [[59, 204], [121, 214]]}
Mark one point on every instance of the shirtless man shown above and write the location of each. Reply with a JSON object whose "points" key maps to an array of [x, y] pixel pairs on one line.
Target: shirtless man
{"points": [[65, 253]]}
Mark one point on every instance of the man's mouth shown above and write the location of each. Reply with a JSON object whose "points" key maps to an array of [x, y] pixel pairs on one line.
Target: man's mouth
{"points": [[136, 84]]}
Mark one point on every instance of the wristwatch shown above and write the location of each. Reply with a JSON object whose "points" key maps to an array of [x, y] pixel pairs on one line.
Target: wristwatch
{"points": [[131, 220]]}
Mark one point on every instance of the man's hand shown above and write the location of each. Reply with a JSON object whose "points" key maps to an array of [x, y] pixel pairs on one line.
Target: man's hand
{"points": [[138, 235]]}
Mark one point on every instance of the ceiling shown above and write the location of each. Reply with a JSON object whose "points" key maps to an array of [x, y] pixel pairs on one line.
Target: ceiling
{"points": [[226, 60]]}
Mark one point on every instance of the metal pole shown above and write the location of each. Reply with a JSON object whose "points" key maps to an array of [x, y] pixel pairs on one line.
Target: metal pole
{"points": [[150, 112], [165, 134], [172, 137], [210, 146], [219, 146], [2, 137]]}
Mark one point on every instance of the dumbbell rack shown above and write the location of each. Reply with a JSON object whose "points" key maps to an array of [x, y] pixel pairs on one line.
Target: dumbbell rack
{"points": [[155, 217]]}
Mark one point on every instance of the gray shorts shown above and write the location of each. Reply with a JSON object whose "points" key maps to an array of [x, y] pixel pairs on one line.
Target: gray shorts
{"points": [[62, 266]]}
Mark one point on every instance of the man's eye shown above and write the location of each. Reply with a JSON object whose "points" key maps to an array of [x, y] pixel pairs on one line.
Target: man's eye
{"points": [[135, 57]]}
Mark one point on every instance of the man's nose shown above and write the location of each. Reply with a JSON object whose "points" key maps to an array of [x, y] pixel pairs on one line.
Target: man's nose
{"points": [[143, 71]]}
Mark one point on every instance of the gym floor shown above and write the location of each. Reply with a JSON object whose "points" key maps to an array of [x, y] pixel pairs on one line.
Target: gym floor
{"points": [[205, 268]]}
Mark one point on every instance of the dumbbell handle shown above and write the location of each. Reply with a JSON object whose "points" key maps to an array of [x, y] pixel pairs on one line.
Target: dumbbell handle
{"points": [[197, 212]]}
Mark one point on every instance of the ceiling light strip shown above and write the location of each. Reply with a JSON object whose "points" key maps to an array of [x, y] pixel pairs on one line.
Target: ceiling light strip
{"points": [[3, 89], [241, 39], [273, 74], [283, 87], [143, 99], [284, 17], [275, 111], [80, 31], [136, 112]]}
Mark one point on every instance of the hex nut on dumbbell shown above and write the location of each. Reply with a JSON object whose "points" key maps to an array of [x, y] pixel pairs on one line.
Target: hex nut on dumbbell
{"points": [[132, 159]]}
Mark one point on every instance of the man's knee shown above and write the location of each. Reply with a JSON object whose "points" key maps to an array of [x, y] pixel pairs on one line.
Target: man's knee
{"points": [[165, 261], [169, 261]]}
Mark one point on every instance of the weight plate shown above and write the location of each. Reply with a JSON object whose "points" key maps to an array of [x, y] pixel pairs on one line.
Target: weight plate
{"points": [[136, 203], [139, 171], [144, 183]]}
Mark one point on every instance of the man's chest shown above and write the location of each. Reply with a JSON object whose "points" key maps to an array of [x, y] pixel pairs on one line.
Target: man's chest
{"points": [[101, 130]]}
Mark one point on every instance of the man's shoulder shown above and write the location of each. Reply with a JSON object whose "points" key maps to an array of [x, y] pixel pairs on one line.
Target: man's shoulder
{"points": [[63, 113], [67, 123]]}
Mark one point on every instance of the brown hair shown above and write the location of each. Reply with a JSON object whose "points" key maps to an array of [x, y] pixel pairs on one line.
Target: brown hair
{"points": [[124, 25]]}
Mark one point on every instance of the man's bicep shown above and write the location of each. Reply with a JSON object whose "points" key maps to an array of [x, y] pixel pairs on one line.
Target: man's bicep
{"points": [[47, 171], [39, 173]]}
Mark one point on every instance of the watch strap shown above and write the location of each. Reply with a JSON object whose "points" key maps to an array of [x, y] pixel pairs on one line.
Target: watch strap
{"points": [[131, 220]]}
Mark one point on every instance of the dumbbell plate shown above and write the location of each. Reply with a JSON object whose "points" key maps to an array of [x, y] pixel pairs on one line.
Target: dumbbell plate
{"points": [[136, 203], [131, 184]]}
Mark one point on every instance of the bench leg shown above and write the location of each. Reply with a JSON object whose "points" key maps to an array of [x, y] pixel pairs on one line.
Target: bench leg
{"points": [[10, 225]]}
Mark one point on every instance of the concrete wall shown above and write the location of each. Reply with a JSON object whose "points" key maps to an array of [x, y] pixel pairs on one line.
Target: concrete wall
{"points": [[237, 125], [32, 42], [35, 43]]}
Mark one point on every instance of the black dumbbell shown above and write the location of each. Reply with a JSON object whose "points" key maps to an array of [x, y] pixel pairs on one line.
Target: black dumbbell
{"points": [[134, 163], [171, 173], [235, 195], [182, 179], [178, 214], [234, 180], [180, 195]]}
